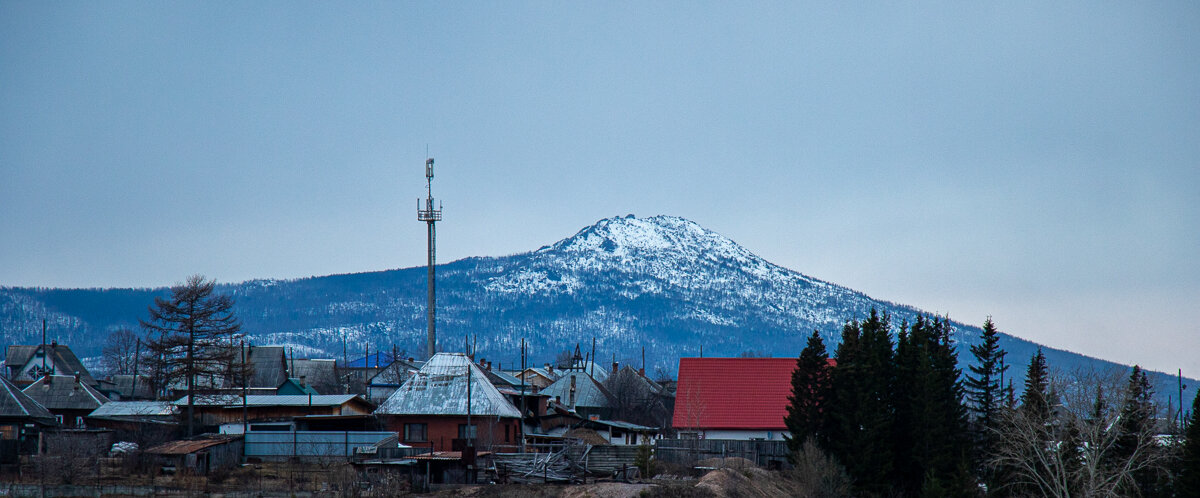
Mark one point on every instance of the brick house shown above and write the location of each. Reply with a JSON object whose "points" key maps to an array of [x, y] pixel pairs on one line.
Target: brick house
{"points": [[431, 408]]}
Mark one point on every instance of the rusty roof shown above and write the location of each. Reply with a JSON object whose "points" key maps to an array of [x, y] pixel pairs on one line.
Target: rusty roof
{"points": [[183, 447]]}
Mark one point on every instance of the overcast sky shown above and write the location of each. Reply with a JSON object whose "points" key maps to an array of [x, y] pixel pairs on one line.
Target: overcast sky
{"points": [[1037, 162]]}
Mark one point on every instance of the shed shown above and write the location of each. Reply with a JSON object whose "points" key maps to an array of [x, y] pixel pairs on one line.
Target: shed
{"points": [[200, 455]]}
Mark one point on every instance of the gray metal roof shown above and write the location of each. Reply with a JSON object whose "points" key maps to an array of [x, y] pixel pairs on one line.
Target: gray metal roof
{"points": [[588, 392], [440, 388], [234, 400], [268, 364], [135, 409], [321, 374], [60, 392], [18, 405]]}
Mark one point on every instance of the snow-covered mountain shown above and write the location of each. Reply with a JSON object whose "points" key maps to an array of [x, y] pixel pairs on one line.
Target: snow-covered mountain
{"points": [[661, 283]]}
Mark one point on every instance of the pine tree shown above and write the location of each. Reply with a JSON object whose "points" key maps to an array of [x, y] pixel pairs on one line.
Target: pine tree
{"points": [[1187, 480], [810, 386]]}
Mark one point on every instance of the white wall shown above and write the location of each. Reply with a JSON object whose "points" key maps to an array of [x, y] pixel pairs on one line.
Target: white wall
{"points": [[740, 434]]}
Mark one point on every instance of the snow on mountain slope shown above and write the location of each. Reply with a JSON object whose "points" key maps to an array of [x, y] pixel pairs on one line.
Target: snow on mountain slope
{"points": [[663, 284]]}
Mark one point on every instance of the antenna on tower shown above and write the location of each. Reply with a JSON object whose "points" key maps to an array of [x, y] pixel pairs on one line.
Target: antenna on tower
{"points": [[430, 216]]}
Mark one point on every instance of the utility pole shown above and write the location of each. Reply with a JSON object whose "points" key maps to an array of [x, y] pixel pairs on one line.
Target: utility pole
{"points": [[430, 216]]}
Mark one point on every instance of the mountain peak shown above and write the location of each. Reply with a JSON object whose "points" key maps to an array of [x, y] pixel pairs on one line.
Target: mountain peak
{"points": [[622, 236]]}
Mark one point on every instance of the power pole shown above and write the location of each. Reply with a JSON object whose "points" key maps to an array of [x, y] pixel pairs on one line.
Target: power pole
{"points": [[430, 216]]}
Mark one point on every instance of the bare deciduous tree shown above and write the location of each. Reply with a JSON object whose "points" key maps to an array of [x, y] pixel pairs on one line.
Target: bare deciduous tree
{"points": [[120, 351], [1073, 452]]}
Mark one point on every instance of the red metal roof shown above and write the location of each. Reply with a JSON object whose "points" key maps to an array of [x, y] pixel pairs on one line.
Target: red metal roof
{"points": [[733, 393]]}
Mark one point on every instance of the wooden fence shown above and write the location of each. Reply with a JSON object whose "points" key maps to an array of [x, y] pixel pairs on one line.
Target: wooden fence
{"points": [[766, 454]]}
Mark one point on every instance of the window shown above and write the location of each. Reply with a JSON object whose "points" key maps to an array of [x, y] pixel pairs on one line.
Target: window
{"points": [[464, 433], [416, 432]]}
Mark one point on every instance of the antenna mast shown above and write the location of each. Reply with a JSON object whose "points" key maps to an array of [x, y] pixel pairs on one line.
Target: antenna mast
{"points": [[430, 216]]}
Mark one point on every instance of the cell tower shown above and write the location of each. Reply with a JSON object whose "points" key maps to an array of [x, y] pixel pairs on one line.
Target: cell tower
{"points": [[430, 216]]}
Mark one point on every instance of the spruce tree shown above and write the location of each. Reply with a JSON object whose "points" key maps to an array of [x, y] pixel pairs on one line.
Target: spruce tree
{"points": [[810, 386], [1187, 480], [983, 387], [1034, 401], [859, 430], [1135, 425], [986, 395]]}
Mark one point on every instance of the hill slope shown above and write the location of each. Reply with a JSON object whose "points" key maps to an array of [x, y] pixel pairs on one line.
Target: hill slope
{"points": [[663, 283]]}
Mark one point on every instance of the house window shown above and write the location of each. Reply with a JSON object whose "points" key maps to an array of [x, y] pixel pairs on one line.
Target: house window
{"points": [[79, 422], [416, 432], [59, 419], [689, 435], [465, 431]]}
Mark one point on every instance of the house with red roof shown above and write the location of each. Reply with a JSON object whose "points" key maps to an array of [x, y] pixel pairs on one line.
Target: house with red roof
{"points": [[733, 398]]}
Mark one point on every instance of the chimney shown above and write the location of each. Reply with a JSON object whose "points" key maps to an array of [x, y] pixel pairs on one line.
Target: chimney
{"points": [[77, 381], [302, 377], [489, 366], [614, 370], [49, 381], [642, 372], [572, 392], [549, 369]]}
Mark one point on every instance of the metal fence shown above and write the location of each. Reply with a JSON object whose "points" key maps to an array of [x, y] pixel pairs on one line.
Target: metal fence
{"points": [[310, 444], [768, 454]]}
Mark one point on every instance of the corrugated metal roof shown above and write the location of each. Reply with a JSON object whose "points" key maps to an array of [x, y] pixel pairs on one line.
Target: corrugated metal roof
{"points": [[184, 447], [446, 455], [233, 400], [60, 392], [135, 409], [16, 404], [440, 388], [588, 392], [733, 393]]}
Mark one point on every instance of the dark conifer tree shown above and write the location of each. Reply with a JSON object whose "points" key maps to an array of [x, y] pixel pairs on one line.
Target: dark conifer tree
{"points": [[1187, 480], [859, 421], [1135, 423], [986, 395], [1035, 400], [983, 383], [810, 388]]}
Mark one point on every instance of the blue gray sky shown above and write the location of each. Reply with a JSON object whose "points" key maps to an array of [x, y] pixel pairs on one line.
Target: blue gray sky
{"points": [[1039, 163]]}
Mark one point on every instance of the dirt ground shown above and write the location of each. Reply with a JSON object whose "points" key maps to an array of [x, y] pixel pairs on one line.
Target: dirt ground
{"points": [[720, 483]]}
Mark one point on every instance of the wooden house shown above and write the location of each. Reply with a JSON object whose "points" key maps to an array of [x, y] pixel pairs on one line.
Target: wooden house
{"points": [[24, 365], [21, 419], [433, 406], [581, 393], [227, 410], [69, 398]]}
